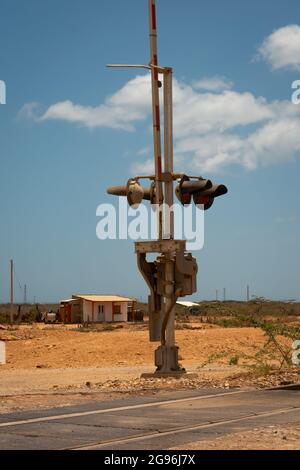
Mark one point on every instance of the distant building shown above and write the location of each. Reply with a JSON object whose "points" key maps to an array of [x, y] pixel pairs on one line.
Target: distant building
{"points": [[187, 304], [96, 309], [191, 307]]}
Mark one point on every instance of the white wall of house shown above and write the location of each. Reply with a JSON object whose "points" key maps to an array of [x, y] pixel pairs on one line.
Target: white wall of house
{"points": [[103, 311], [124, 312]]}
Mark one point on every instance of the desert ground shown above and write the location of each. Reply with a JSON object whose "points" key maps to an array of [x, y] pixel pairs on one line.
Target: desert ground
{"points": [[58, 365], [265, 438], [111, 358]]}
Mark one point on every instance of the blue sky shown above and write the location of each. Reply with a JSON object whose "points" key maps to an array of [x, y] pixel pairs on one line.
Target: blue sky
{"points": [[64, 138]]}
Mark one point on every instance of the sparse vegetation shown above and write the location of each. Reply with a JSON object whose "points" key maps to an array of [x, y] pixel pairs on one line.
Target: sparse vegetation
{"points": [[184, 326], [28, 313], [234, 360], [280, 322]]}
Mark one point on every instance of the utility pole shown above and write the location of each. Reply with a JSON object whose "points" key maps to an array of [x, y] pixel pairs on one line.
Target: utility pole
{"points": [[248, 293], [11, 291], [217, 295], [25, 294]]}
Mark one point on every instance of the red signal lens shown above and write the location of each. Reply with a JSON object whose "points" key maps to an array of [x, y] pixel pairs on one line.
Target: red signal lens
{"points": [[198, 199], [186, 198]]}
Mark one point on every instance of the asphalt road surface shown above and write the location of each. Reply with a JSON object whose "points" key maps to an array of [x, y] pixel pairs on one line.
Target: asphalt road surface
{"points": [[149, 423]]}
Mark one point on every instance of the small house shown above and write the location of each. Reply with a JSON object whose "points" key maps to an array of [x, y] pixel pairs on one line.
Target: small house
{"points": [[96, 309]]}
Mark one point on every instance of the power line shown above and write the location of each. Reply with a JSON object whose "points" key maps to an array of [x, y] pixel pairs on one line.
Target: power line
{"points": [[11, 291], [25, 294]]}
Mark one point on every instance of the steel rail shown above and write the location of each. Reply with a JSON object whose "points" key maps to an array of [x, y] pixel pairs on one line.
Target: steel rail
{"points": [[182, 430]]}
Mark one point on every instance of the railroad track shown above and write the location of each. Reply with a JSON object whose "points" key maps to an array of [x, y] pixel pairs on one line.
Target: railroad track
{"points": [[180, 430], [58, 417], [283, 405]]}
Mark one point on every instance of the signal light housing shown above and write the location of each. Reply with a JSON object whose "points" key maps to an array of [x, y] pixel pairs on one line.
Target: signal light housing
{"points": [[187, 188], [207, 198], [201, 190], [134, 192]]}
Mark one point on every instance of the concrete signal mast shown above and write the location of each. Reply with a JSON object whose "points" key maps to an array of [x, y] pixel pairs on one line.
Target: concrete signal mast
{"points": [[174, 273]]}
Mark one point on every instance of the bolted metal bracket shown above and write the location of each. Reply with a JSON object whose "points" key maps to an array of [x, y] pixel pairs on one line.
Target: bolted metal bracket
{"points": [[155, 301], [186, 270], [160, 246], [155, 275]]}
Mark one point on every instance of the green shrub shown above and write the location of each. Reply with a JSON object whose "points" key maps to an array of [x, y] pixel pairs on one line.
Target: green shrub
{"points": [[234, 360]]}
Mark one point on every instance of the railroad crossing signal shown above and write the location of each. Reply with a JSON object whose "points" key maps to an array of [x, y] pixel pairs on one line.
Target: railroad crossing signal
{"points": [[174, 272], [134, 192], [202, 191]]}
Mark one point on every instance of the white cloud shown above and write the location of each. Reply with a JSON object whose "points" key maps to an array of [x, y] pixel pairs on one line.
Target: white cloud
{"points": [[29, 111], [143, 168], [282, 48], [119, 111], [144, 151], [200, 113], [213, 84], [211, 130], [276, 142], [211, 152]]}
